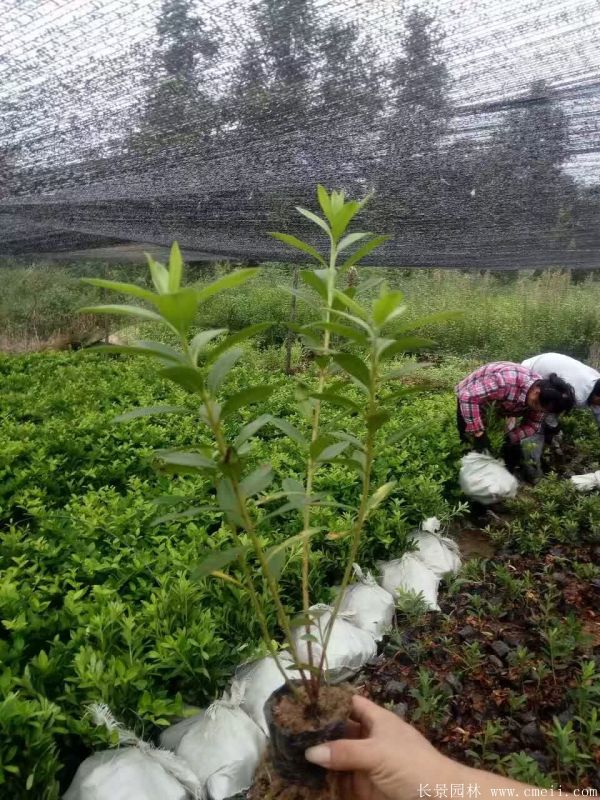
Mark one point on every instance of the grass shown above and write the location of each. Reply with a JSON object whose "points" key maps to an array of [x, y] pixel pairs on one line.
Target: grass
{"points": [[509, 316]]}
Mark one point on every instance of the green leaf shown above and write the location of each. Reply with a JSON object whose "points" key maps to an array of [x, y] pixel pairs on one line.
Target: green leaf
{"points": [[331, 451], [406, 344], [293, 485], [387, 307], [189, 513], [362, 252], [124, 288], [298, 244], [289, 430], [149, 411], [350, 304], [257, 481], [335, 399], [348, 437], [251, 429], [229, 504], [189, 378], [324, 201], [276, 556], [179, 308], [182, 462], [311, 279], [144, 348], [314, 218], [175, 268], [217, 560], [160, 276], [230, 281], [236, 338], [379, 495], [201, 339], [353, 319], [253, 394], [377, 420], [126, 311], [221, 368], [351, 239], [275, 564], [344, 214], [355, 367], [342, 330]]}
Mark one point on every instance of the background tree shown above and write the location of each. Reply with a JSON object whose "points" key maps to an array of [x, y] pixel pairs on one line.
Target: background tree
{"points": [[520, 182], [180, 113], [412, 141]]}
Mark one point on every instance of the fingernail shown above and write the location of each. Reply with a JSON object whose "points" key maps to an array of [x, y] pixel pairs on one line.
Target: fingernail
{"points": [[321, 755]]}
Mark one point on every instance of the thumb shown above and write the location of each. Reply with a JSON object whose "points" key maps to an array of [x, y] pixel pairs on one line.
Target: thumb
{"points": [[344, 755]]}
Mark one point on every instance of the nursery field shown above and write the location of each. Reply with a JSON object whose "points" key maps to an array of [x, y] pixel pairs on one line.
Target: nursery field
{"points": [[100, 599], [100, 604]]}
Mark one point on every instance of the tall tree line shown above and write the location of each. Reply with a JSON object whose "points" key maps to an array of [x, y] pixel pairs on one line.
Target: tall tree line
{"points": [[312, 98]]}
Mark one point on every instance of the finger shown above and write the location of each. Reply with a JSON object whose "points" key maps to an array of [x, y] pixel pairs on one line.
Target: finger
{"points": [[353, 730], [365, 712], [343, 755]]}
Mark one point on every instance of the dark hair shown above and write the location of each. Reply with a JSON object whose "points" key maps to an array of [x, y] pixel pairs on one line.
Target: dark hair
{"points": [[595, 391], [556, 395]]}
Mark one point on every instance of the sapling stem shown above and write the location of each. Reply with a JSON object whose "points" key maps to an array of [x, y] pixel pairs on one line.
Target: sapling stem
{"points": [[215, 426], [311, 468], [362, 511]]}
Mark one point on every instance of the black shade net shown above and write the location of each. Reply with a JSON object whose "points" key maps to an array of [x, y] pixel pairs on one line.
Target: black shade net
{"points": [[474, 122]]}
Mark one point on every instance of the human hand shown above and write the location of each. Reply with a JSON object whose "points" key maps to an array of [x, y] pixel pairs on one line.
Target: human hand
{"points": [[388, 759]]}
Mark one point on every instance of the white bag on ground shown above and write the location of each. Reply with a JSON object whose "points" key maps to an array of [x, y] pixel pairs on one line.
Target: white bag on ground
{"points": [[137, 771], [439, 553], [348, 649], [485, 479], [587, 482], [259, 679], [367, 605], [223, 748], [126, 774], [410, 574], [171, 736]]}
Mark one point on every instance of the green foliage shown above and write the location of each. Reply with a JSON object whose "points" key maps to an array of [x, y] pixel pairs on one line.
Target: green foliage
{"points": [[204, 371]]}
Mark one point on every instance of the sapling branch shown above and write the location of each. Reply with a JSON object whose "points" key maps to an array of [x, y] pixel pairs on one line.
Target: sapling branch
{"points": [[250, 529], [311, 468], [363, 507]]}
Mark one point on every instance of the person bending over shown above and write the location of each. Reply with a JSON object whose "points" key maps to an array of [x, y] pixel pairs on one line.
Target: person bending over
{"points": [[385, 758], [514, 391], [584, 380]]}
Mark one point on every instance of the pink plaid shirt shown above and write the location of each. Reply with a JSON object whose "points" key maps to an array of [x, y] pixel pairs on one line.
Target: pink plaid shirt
{"points": [[506, 385]]}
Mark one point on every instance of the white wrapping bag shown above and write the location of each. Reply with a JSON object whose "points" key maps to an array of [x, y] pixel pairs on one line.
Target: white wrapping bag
{"points": [[171, 736], [139, 771], [587, 482], [410, 574], [369, 606], [259, 680], [486, 480], [348, 649], [223, 747], [126, 774], [439, 553]]}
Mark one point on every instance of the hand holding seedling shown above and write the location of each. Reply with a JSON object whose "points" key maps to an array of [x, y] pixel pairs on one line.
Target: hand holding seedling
{"points": [[388, 759]]}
